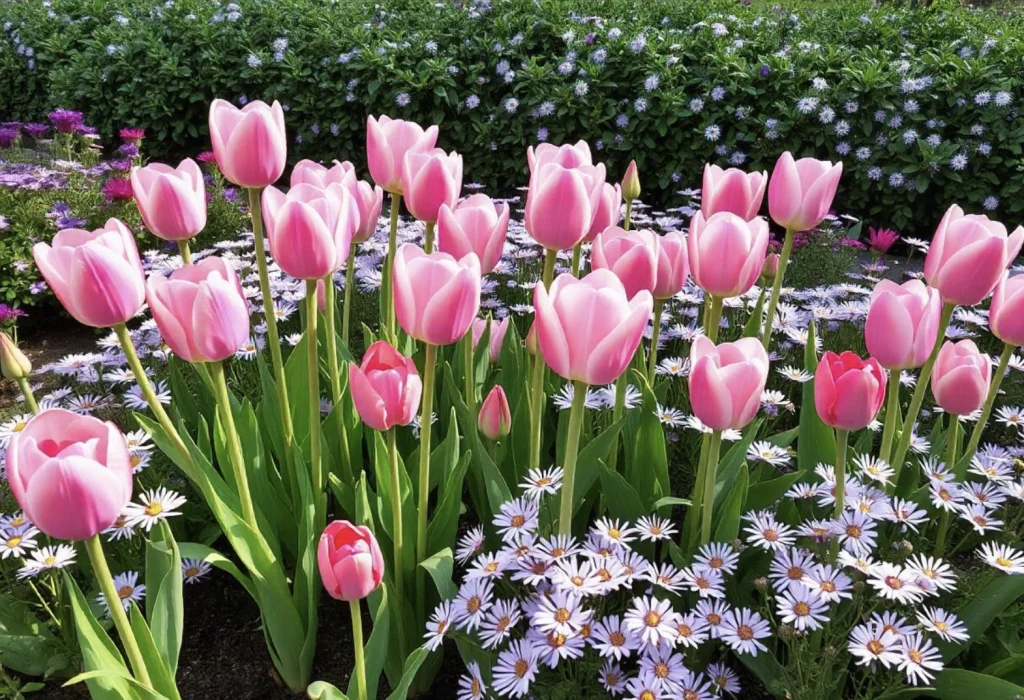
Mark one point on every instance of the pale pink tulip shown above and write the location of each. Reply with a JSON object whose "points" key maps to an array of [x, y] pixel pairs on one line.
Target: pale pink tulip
{"points": [[608, 212], [732, 190], [1006, 316], [961, 377], [800, 192], [475, 225], [249, 143], [673, 265], [631, 255], [726, 253], [498, 330], [368, 200], [566, 155], [726, 381], [561, 204], [310, 229], [385, 388], [902, 323], [309, 172], [436, 296], [431, 179], [172, 201], [387, 143]]}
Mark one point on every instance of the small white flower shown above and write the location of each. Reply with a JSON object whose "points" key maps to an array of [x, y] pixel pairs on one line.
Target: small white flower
{"points": [[153, 506]]}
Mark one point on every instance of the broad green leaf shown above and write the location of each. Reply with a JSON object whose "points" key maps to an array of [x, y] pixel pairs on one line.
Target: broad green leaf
{"points": [[164, 606], [412, 665], [444, 521], [960, 684], [982, 609], [623, 501], [26, 643], [589, 463], [99, 654], [322, 690], [765, 493], [817, 441], [727, 516], [440, 567], [160, 676]]}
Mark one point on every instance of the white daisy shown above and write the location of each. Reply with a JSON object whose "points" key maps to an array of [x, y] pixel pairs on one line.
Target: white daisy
{"points": [[613, 639], [46, 558], [498, 623], [441, 622], [154, 505], [129, 590], [742, 628], [653, 528], [652, 620], [800, 607], [918, 658], [717, 555], [999, 556], [194, 570], [871, 642], [946, 625], [517, 517], [539, 482], [515, 669]]}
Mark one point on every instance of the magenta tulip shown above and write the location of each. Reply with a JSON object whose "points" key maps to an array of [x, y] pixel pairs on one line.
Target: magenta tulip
{"points": [[495, 419], [902, 323], [566, 155], [387, 143], [350, 561], [968, 256], [498, 330], [631, 255], [673, 265], [726, 253], [608, 212], [436, 296], [474, 225], [1006, 315], [588, 329], [431, 179], [561, 204], [800, 192], [310, 229], [71, 474], [172, 201], [882, 239], [732, 190], [385, 388], [726, 381], [961, 377], [97, 275], [249, 143], [309, 172], [848, 391]]}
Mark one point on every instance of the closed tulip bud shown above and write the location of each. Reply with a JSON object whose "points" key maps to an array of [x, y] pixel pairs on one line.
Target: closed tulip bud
{"points": [[561, 203], [848, 391], [387, 143], [172, 201], [200, 310], [13, 363], [566, 155], [631, 255], [249, 143], [732, 190], [588, 329], [968, 256], [385, 388], [310, 229], [309, 172], [350, 561], [769, 270], [961, 377], [800, 192], [726, 253], [474, 225], [495, 420], [726, 381], [673, 265], [431, 179], [531, 339], [368, 200], [631, 183], [608, 212], [1006, 315], [436, 296], [97, 275], [321, 296], [902, 323], [498, 330], [71, 474]]}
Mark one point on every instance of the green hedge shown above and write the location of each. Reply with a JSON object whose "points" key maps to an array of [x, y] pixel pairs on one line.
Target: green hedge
{"points": [[578, 70]]}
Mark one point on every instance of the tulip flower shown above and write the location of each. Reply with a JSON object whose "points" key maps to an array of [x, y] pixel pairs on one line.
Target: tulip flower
{"points": [[902, 324], [961, 378], [800, 192], [566, 155], [607, 214], [561, 203], [726, 253], [631, 183], [388, 141], [474, 225], [495, 420], [97, 275], [249, 143], [968, 256], [386, 387], [368, 200], [310, 230], [200, 310], [1006, 315], [309, 172], [172, 201], [13, 363], [498, 330], [436, 296], [631, 255], [430, 180], [732, 190], [848, 391], [769, 270], [673, 266]]}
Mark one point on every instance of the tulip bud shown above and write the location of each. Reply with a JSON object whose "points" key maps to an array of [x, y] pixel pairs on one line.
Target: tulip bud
{"points": [[350, 561], [321, 296], [961, 377], [769, 270], [531, 339], [495, 419], [631, 183], [13, 363]]}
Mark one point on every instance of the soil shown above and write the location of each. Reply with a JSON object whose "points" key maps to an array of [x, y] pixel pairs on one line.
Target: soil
{"points": [[48, 343]]}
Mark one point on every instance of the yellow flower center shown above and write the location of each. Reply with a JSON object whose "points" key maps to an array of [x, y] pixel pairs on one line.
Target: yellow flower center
{"points": [[518, 521], [652, 619], [125, 592], [1003, 561], [714, 619], [876, 647], [716, 563], [745, 632], [154, 509], [473, 606], [828, 586], [647, 695], [802, 609], [661, 670], [562, 615], [915, 656], [191, 571], [13, 542], [795, 573], [521, 668], [617, 638], [770, 535], [893, 582]]}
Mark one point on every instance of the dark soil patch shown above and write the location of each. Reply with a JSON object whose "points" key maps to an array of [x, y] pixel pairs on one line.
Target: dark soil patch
{"points": [[48, 343]]}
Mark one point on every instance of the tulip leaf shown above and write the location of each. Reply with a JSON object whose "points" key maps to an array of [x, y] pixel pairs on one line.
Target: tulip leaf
{"points": [[817, 442], [959, 684], [623, 500], [440, 567], [109, 676], [444, 522], [159, 674], [765, 493], [376, 650], [322, 690], [412, 665], [753, 327], [983, 608], [649, 467], [727, 516], [164, 606], [386, 494], [138, 691], [593, 455]]}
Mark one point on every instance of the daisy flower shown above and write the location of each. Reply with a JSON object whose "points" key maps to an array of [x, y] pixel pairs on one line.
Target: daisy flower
{"points": [[894, 582], [918, 658], [194, 570], [802, 608], [874, 468], [979, 518], [906, 513], [645, 687], [704, 581], [944, 495], [561, 612], [516, 669], [865, 565], [693, 631], [612, 639], [539, 482], [764, 451], [613, 533], [946, 625], [517, 517], [667, 668], [652, 620], [613, 679], [667, 576], [741, 630], [856, 532], [871, 642], [717, 555], [46, 558], [766, 532], [469, 545], [471, 685], [790, 567], [498, 623], [129, 590], [672, 417], [828, 583], [579, 576], [439, 624], [472, 603], [934, 570], [999, 556], [654, 528], [16, 542], [713, 613], [673, 367], [723, 677], [554, 647], [154, 505], [795, 374]]}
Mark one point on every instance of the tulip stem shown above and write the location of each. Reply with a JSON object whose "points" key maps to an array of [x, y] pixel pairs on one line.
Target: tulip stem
{"points": [[572, 444], [617, 410], [186, 254], [470, 371], [576, 251], [892, 412], [710, 477], [270, 316], [842, 440], [357, 647], [313, 381], [396, 513], [428, 238], [714, 319], [337, 393], [26, 391], [227, 420], [773, 300], [652, 362], [389, 264], [349, 275], [919, 391], [990, 400], [131, 647], [951, 439], [537, 383], [629, 215], [429, 365]]}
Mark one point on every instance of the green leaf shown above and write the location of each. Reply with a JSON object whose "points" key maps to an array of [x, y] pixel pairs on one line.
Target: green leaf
{"points": [[765, 493], [590, 462], [648, 472], [99, 654], [444, 521], [626, 502], [983, 608], [164, 594], [412, 665], [322, 690], [440, 567], [26, 644], [753, 327], [376, 650], [727, 516], [767, 670], [817, 441], [959, 684], [160, 676]]}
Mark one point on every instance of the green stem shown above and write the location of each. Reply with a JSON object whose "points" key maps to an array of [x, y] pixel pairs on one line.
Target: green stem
{"points": [[26, 391], [428, 238], [652, 362], [842, 440], [131, 647], [619, 408], [389, 264], [773, 301], [337, 394], [45, 605], [714, 319], [237, 457], [986, 411], [396, 513], [470, 374], [537, 383], [710, 477], [572, 443], [349, 275], [423, 494], [186, 254], [576, 250], [313, 382], [357, 646], [952, 433], [629, 215], [919, 391], [892, 412]]}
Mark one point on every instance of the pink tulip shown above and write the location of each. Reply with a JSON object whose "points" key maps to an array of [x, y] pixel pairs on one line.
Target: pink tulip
{"points": [[431, 179], [436, 296], [566, 155], [673, 265], [732, 190], [475, 225], [561, 204], [726, 381], [588, 329], [769, 270], [387, 143], [97, 275], [310, 172], [368, 200], [71, 474], [172, 201], [608, 212], [249, 143], [200, 310], [726, 253], [386, 388], [961, 378], [531, 339], [631, 255], [968, 256], [902, 324], [321, 296], [848, 391], [1006, 315], [310, 229], [351, 565], [631, 182], [800, 192], [498, 330], [495, 419]]}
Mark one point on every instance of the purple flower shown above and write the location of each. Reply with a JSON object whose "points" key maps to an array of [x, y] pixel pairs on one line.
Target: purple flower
{"points": [[132, 135], [11, 125], [4, 223], [121, 164], [8, 137], [230, 194], [69, 222], [129, 149], [66, 121], [37, 287], [86, 130], [591, 38], [765, 70], [8, 314], [35, 130]]}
